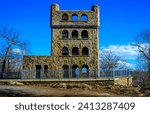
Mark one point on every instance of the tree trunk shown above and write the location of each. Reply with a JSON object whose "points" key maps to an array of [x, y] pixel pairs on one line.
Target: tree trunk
{"points": [[4, 62], [147, 76]]}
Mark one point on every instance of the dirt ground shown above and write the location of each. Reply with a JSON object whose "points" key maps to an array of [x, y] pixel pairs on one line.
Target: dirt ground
{"points": [[16, 89]]}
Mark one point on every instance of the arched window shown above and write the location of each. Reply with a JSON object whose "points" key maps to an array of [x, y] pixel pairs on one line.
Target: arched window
{"points": [[84, 17], [65, 34], [85, 51], [75, 71], [65, 16], [65, 51], [85, 71], [65, 71], [74, 34], [75, 51], [74, 17], [84, 34]]}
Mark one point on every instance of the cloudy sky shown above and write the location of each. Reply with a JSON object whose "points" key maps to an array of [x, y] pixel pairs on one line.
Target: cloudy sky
{"points": [[121, 21]]}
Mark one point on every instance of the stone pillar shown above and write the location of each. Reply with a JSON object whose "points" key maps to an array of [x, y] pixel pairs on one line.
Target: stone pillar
{"points": [[70, 72]]}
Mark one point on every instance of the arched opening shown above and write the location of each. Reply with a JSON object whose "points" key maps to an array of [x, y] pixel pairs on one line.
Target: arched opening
{"points": [[85, 51], [74, 34], [65, 34], [75, 51], [65, 51], [84, 17], [65, 16], [38, 71], [74, 17], [75, 71], [65, 71], [84, 34], [85, 71]]}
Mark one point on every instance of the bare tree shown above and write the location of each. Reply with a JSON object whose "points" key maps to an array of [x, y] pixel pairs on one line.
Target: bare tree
{"points": [[11, 39], [143, 45], [1, 59], [110, 61], [142, 63]]}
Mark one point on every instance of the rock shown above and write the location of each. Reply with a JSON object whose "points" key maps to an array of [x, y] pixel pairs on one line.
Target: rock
{"points": [[13, 83], [86, 86], [97, 86], [101, 83], [62, 85], [147, 92], [109, 87], [80, 86], [72, 86], [54, 85]]}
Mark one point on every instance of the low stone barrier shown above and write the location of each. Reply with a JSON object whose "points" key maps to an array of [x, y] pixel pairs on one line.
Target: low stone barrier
{"points": [[123, 81]]}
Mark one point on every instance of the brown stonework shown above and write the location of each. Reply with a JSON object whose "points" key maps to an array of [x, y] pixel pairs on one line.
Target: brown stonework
{"points": [[81, 34]]}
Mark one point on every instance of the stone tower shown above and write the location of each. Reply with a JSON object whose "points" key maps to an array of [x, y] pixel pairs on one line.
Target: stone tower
{"points": [[75, 49]]}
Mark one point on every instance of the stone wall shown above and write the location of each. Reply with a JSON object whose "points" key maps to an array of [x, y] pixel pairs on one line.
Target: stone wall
{"points": [[124, 81], [56, 17], [57, 60], [93, 82]]}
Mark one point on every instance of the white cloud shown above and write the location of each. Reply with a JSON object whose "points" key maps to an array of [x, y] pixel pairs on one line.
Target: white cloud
{"points": [[127, 64], [128, 52], [18, 51]]}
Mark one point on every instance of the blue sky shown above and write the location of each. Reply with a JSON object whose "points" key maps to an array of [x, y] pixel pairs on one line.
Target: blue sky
{"points": [[121, 20]]}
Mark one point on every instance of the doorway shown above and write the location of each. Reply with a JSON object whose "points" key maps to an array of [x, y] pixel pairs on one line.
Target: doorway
{"points": [[85, 71], [38, 71], [75, 71], [65, 71]]}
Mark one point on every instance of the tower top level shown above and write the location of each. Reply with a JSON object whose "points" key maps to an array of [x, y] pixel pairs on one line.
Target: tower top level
{"points": [[75, 18]]}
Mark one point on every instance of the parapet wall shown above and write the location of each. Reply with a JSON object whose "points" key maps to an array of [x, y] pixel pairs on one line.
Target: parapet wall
{"points": [[125, 81], [92, 22]]}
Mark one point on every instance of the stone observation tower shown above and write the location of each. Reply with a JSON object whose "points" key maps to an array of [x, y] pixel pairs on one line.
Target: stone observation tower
{"points": [[75, 52]]}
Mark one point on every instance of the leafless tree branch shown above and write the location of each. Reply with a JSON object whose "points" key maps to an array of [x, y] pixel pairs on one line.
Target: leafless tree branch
{"points": [[12, 38]]}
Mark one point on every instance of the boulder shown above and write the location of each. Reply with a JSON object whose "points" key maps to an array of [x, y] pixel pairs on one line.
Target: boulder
{"points": [[97, 86], [14, 83], [109, 87], [72, 86], [80, 86], [61, 85], [86, 86]]}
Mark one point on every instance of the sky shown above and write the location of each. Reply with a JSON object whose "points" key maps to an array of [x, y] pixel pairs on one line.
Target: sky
{"points": [[120, 22]]}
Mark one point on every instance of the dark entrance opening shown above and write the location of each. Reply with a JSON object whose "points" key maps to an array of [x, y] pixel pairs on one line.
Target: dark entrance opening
{"points": [[75, 51], [65, 71], [65, 51], [38, 71], [75, 71], [85, 71], [84, 34], [75, 34], [65, 34], [65, 17]]}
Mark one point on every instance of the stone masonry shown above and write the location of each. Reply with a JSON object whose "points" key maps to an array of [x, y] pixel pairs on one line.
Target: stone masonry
{"points": [[75, 52]]}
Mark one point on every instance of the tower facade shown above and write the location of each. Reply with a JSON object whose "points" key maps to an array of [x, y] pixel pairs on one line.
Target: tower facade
{"points": [[75, 48]]}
